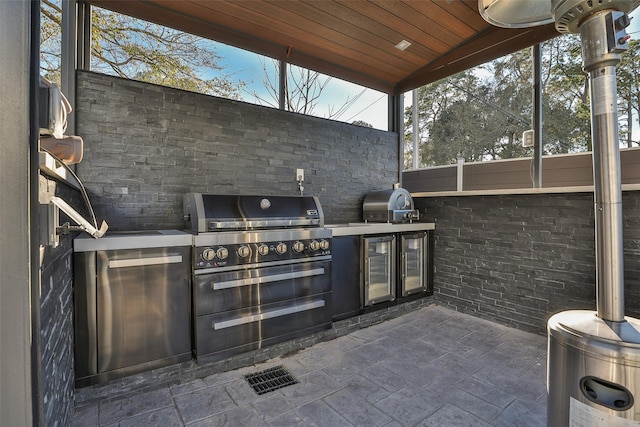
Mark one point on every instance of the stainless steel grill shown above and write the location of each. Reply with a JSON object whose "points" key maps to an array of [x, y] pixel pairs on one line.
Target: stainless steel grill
{"points": [[261, 271]]}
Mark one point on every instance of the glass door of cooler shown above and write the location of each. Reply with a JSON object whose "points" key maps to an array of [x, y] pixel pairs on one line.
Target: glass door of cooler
{"points": [[413, 260], [379, 269]]}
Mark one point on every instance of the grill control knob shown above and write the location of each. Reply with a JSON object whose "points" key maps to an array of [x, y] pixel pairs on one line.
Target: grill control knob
{"points": [[281, 248], [244, 251], [314, 245], [298, 247], [222, 253], [324, 245], [208, 254], [263, 249]]}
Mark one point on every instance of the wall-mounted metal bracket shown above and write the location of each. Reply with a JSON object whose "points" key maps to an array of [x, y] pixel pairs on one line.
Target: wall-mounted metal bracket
{"points": [[55, 230], [67, 228], [53, 219]]}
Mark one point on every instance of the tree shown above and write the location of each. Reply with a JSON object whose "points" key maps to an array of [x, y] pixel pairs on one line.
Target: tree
{"points": [[480, 114], [303, 87], [461, 116], [566, 113], [509, 103], [362, 123], [433, 99], [629, 90], [466, 127], [303, 90], [135, 49]]}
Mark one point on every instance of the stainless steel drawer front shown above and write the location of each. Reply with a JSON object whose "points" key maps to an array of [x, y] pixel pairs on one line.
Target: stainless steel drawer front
{"points": [[268, 315], [245, 309], [266, 279], [232, 290]]}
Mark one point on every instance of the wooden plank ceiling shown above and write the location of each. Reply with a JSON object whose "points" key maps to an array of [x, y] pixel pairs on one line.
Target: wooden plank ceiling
{"points": [[350, 39]]}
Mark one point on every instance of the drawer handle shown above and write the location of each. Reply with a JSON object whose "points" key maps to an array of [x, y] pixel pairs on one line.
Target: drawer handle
{"points": [[139, 262], [266, 279], [270, 314]]}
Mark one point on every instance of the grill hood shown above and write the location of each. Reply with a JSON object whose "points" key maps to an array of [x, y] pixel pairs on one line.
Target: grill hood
{"points": [[212, 212]]}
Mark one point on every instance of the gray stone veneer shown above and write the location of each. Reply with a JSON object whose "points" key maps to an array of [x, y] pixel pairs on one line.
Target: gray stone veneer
{"points": [[514, 259], [519, 259], [56, 314], [147, 145]]}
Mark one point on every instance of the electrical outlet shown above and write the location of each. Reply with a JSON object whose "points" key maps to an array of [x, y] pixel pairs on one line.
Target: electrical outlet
{"points": [[527, 138], [299, 175]]}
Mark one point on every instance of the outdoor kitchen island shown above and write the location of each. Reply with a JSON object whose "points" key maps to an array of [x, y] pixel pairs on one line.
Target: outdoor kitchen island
{"points": [[341, 282]]}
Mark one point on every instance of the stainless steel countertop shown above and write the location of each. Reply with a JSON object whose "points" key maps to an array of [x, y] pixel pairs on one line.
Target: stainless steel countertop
{"points": [[132, 240], [166, 238], [363, 228]]}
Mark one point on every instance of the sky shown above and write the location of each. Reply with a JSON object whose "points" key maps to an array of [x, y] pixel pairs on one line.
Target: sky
{"points": [[634, 28], [370, 106]]}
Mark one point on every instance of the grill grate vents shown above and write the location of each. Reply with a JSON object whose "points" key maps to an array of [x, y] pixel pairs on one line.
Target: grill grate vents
{"points": [[270, 379]]}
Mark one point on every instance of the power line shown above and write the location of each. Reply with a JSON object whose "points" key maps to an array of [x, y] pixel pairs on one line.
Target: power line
{"points": [[365, 108], [343, 109], [492, 104], [501, 109]]}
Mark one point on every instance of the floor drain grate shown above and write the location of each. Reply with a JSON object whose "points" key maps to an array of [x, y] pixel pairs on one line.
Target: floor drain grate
{"points": [[270, 379]]}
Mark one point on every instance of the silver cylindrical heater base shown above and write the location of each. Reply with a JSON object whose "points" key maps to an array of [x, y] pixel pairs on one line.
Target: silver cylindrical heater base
{"points": [[593, 374]]}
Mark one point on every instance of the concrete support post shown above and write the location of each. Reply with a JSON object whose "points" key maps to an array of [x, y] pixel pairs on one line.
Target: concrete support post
{"points": [[17, 400]]}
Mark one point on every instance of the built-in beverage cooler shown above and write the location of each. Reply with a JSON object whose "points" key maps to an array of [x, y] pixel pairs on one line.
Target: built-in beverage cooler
{"points": [[415, 259], [394, 267], [378, 269]]}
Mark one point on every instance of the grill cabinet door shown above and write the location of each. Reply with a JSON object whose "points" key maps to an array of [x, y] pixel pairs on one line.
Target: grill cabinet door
{"points": [[143, 306]]}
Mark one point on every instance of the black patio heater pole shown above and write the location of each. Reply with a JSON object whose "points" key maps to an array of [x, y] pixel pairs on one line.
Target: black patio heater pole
{"points": [[593, 369]]}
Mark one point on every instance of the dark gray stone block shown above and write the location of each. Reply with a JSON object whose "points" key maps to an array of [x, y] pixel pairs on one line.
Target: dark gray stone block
{"points": [[147, 145]]}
